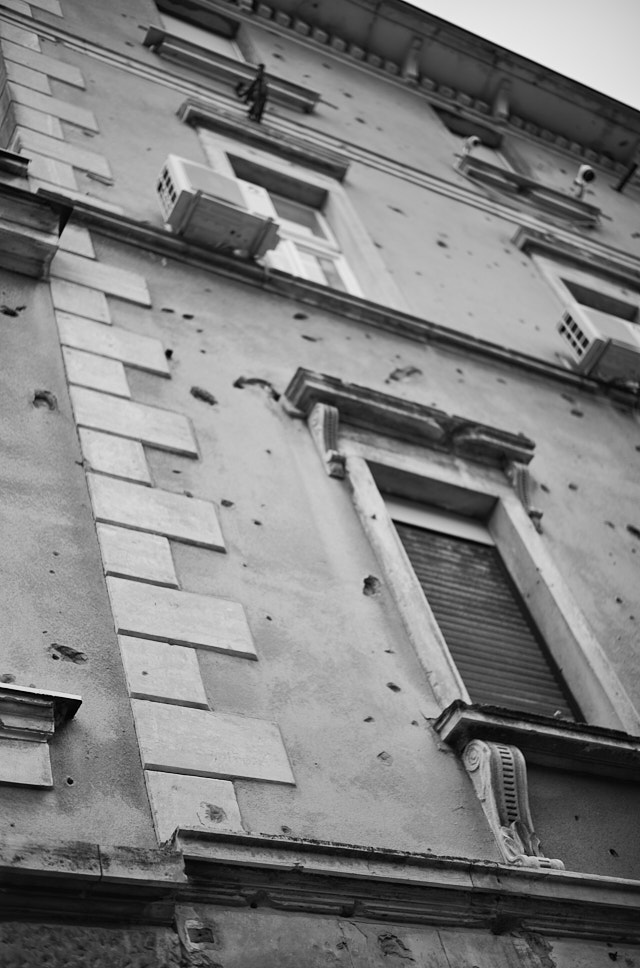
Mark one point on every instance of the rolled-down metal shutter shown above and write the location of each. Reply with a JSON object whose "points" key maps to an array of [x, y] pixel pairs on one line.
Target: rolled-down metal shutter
{"points": [[497, 649]]}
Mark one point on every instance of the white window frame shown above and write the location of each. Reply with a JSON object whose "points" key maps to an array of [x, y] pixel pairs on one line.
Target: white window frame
{"points": [[357, 259], [587, 671], [554, 270]]}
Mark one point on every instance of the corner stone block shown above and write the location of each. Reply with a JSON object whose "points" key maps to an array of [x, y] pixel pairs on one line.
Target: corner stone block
{"points": [[161, 512], [163, 429], [132, 554], [96, 275], [174, 739], [97, 372], [114, 455], [191, 801], [141, 352], [80, 301], [162, 673], [183, 618]]}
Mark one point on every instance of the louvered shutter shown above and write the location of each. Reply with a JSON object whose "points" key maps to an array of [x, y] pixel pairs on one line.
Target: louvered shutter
{"points": [[498, 652]]}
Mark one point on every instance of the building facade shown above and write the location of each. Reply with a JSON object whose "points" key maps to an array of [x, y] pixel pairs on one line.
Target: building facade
{"points": [[320, 517]]}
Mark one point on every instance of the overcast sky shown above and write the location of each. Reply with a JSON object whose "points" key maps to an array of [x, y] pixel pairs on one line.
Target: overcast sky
{"points": [[594, 42]]}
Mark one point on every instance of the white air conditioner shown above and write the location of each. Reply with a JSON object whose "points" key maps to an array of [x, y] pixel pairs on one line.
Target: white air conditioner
{"points": [[601, 345], [214, 210]]}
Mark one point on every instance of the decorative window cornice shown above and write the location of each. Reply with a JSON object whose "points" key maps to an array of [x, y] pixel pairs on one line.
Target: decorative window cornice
{"points": [[413, 422], [624, 268], [518, 190], [222, 68], [28, 721], [275, 141], [556, 743]]}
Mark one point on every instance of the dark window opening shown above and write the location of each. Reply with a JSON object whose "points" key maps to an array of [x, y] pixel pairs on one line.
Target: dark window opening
{"points": [[601, 301], [494, 643]]}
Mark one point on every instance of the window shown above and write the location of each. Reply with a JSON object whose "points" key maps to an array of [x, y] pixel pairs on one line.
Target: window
{"points": [[322, 238], [493, 641], [386, 445]]}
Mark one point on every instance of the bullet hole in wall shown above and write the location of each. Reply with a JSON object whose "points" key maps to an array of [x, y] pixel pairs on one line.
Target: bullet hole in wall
{"points": [[10, 310], [403, 373], [310, 339], [168, 353], [631, 528], [576, 413], [200, 394], [300, 316], [226, 503], [392, 686], [67, 654], [45, 400], [251, 381], [7, 677], [371, 585]]}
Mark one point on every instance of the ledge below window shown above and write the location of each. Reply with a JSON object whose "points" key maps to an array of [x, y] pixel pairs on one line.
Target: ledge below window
{"points": [[223, 68], [30, 229], [547, 200], [547, 742]]}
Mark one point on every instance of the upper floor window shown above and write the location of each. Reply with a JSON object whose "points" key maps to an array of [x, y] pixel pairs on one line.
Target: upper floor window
{"points": [[218, 37], [498, 651]]}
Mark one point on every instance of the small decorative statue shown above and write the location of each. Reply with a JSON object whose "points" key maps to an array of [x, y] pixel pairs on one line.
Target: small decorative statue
{"points": [[255, 94]]}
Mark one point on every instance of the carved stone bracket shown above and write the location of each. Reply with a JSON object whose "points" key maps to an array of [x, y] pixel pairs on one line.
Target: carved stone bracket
{"points": [[28, 721], [518, 474], [323, 424], [499, 776]]}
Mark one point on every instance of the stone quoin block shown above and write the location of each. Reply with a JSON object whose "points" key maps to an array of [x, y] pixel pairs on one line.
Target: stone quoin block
{"points": [[183, 618], [140, 352], [134, 554], [161, 672], [79, 301], [76, 239], [80, 158], [114, 455], [175, 739], [89, 370], [161, 512], [163, 429], [191, 801], [18, 54], [109, 279], [54, 106]]}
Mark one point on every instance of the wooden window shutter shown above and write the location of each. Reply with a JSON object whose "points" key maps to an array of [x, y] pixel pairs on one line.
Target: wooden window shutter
{"points": [[497, 649]]}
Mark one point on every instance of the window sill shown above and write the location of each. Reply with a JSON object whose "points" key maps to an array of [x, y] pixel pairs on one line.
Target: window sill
{"points": [[547, 200], [547, 742], [223, 68]]}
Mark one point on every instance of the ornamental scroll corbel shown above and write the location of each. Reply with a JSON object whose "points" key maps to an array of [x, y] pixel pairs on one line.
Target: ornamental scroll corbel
{"points": [[519, 476], [499, 776], [323, 424]]}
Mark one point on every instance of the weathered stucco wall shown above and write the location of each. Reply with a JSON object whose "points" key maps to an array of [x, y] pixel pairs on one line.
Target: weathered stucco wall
{"points": [[58, 629]]}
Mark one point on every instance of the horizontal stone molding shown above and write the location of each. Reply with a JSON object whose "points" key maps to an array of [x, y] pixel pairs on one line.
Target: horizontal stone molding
{"points": [[556, 743], [417, 423], [118, 226], [281, 873]]}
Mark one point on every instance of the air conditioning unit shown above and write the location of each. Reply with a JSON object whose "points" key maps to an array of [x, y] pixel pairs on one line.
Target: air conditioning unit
{"points": [[214, 210], [602, 345]]}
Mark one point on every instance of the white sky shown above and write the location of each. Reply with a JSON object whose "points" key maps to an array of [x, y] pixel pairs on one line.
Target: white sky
{"points": [[596, 42]]}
